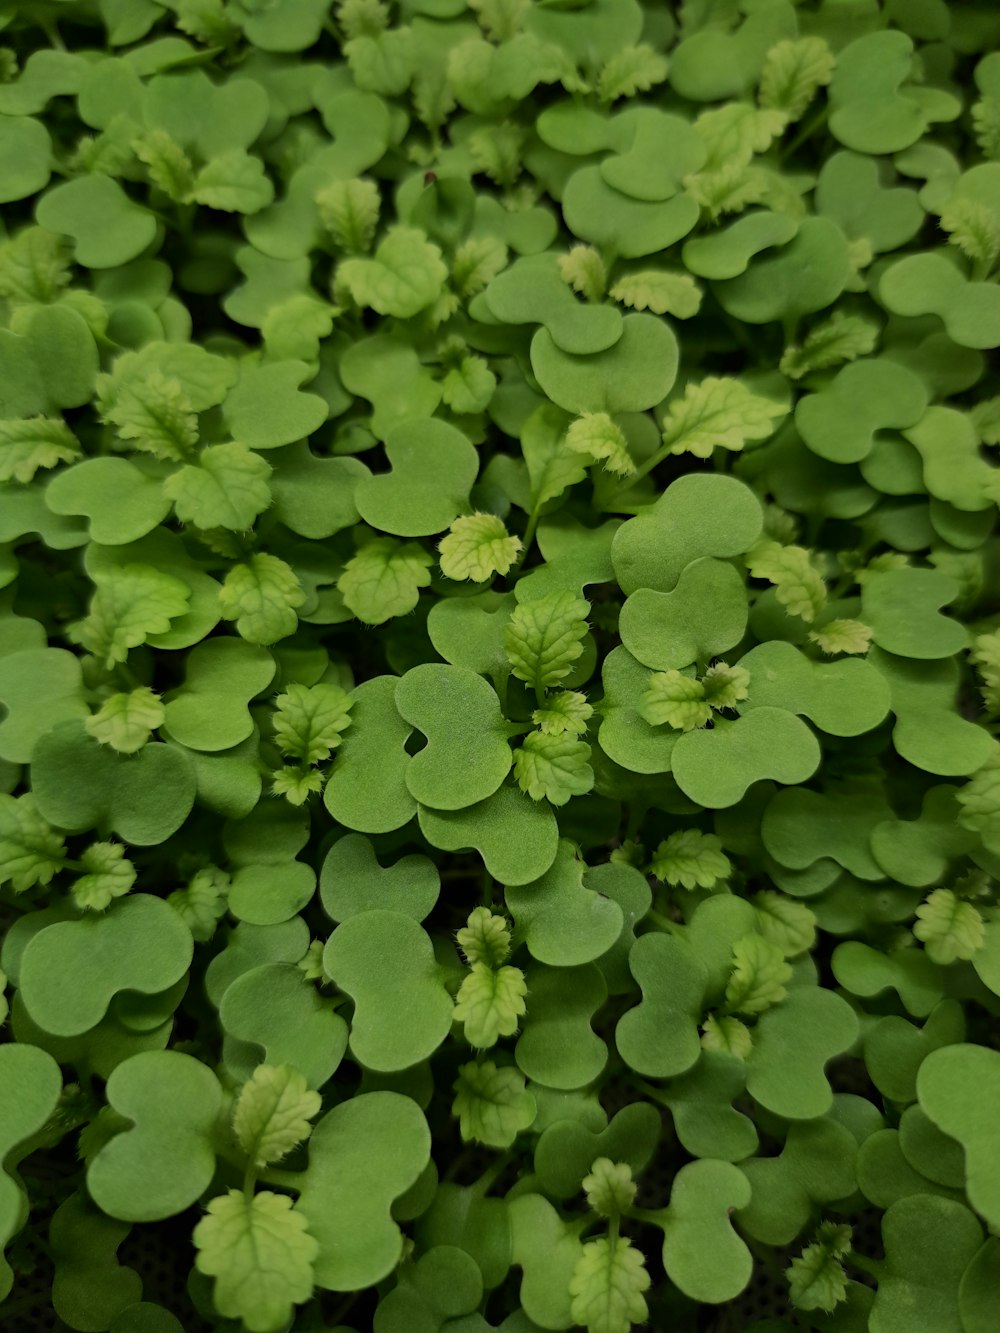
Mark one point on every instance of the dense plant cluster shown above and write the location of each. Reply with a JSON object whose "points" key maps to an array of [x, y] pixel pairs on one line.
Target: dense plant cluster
{"points": [[499, 659]]}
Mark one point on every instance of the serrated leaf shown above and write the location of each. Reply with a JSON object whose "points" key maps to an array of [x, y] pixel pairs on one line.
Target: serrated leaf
{"points": [[201, 905], [583, 268], [384, 578], [986, 122], [543, 638], [798, 584], [131, 603], [597, 435], [609, 1187], [565, 712], [477, 547], [719, 413], [607, 1286], [476, 263], [233, 182], [553, 768], [985, 417], [272, 1113], [794, 71], [785, 923], [108, 876], [552, 467], [974, 229], [28, 444], [842, 636], [492, 1104], [729, 189], [674, 700], [490, 1003], [156, 416], [691, 859], [308, 720], [726, 686], [124, 720], [349, 210], [296, 783], [34, 266], [261, 595], [985, 657], [405, 275], [948, 928], [484, 938], [168, 166], [31, 851], [726, 1035], [838, 339], [226, 488], [816, 1279], [661, 292], [631, 70], [759, 977], [469, 386], [261, 1255]]}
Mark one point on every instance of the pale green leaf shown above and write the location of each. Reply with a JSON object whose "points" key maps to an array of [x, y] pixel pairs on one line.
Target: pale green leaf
{"points": [[985, 657], [308, 720], [168, 166], [675, 700], [553, 767], [131, 603], [226, 488], [691, 859], [125, 720], [384, 578], [567, 711], [31, 443], [583, 268], [725, 1035], [631, 70], [974, 229], [728, 189], [201, 905], [469, 386], [838, 339], [662, 292], [842, 636], [34, 266], [787, 924], [108, 876], [261, 1255], [986, 123], [31, 851], [485, 938], [544, 638], [234, 182], [476, 263], [794, 71], [597, 435], [609, 1187], [349, 210], [719, 413], [759, 977], [607, 1286], [156, 415], [949, 928], [726, 686], [296, 782], [272, 1113], [476, 547], [980, 800], [798, 584], [552, 467], [490, 1003], [405, 276], [816, 1279], [362, 18], [492, 1104], [261, 595]]}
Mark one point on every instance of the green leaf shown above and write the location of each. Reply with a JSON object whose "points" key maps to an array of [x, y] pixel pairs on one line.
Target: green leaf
{"points": [[296, 783], [349, 210], [609, 1187], [383, 580], [543, 638], [816, 1279], [567, 711], [842, 636], [676, 700], [492, 1104], [553, 767], [261, 596], [484, 938], [34, 266], [490, 1003], [476, 263], [986, 120], [794, 71], [552, 467], [596, 434], [109, 876], [948, 927], [308, 720], [726, 1035], [789, 925], [468, 387], [606, 1290], [718, 413], [31, 851], [272, 1113], [726, 686], [234, 182], [974, 228], [476, 547], [202, 904], [124, 721], [157, 416], [226, 488], [169, 167], [691, 859], [131, 603], [798, 584], [661, 292], [261, 1255], [405, 276], [633, 69], [759, 976], [583, 268], [36, 442], [985, 657], [838, 339]]}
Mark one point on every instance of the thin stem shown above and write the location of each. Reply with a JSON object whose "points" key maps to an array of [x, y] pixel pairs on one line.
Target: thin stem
{"points": [[526, 542]]}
